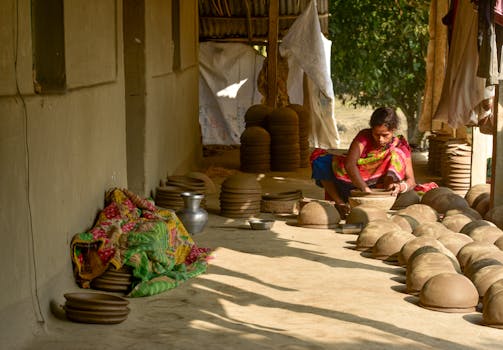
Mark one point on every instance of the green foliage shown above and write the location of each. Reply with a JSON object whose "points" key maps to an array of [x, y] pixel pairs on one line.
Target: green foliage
{"points": [[378, 53]]}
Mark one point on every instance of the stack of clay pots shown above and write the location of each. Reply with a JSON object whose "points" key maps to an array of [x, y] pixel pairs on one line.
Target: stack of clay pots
{"points": [[257, 115], [283, 125], [435, 147], [113, 280], [240, 196], [304, 132], [255, 153], [168, 194], [456, 167], [281, 202], [96, 308]]}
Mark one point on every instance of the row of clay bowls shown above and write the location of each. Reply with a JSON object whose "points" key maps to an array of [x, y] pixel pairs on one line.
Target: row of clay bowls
{"points": [[455, 248]]}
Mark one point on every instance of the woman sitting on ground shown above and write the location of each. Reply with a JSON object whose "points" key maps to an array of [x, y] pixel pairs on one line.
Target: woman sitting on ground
{"points": [[375, 159]]}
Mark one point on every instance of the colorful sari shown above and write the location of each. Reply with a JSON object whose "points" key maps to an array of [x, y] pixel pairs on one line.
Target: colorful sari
{"points": [[374, 164], [130, 231]]}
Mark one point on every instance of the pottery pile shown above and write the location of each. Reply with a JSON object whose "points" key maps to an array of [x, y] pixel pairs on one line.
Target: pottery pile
{"points": [[255, 150], [240, 196], [283, 125], [456, 168], [281, 202], [304, 132], [257, 115], [168, 195], [113, 280], [95, 308], [435, 146]]}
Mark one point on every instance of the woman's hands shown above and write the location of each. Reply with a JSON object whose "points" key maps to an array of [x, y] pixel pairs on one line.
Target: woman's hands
{"points": [[398, 187]]}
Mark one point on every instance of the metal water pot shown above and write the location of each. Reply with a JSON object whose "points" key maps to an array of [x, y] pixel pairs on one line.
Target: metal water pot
{"points": [[193, 217]]}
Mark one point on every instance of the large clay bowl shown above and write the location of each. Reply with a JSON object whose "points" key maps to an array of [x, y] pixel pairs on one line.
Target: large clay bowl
{"points": [[384, 202], [403, 200], [432, 194], [420, 212], [449, 292], [481, 255], [496, 287], [448, 201], [389, 245], [471, 269]]}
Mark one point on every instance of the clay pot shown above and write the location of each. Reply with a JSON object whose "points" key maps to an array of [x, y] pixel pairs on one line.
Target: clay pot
{"points": [[377, 198], [454, 241], [499, 243], [478, 255], [489, 234], [448, 201], [471, 225], [470, 212], [406, 222], [470, 249], [471, 269], [476, 191], [411, 246], [420, 212], [456, 222], [403, 200], [430, 196], [372, 232], [495, 215], [388, 245], [257, 115], [449, 292], [492, 313], [318, 215], [482, 203], [424, 267], [364, 214], [495, 288], [431, 229], [486, 276]]}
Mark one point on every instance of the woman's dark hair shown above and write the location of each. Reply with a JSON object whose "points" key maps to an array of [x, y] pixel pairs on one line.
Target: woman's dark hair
{"points": [[385, 116]]}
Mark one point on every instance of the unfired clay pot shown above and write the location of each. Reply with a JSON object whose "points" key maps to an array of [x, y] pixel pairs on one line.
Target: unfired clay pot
{"points": [[471, 269], [431, 229], [496, 287], [456, 222], [495, 215], [476, 223], [430, 196], [489, 234], [318, 215], [475, 191], [449, 292], [411, 246], [486, 276], [406, 222], [388, 245], [372, 232], [420, 212], [470, 212], [425, 266], [499, 243], [470, 249], [448, 201], [454, 241], [492, 312], [364, 214]]}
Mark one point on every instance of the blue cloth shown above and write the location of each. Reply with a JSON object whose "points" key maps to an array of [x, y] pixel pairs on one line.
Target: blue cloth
{"points": [[322, 170]]}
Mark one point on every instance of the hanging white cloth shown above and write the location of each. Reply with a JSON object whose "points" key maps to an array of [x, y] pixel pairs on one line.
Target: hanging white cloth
{"points": [[308, 51], [227, 88]]}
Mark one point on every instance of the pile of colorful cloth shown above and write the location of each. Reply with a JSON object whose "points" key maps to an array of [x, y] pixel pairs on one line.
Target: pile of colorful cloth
{"points": [[132, 232]]}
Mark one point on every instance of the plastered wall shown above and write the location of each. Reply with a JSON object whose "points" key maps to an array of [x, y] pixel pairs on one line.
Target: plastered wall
{"points": [[61, 152]]}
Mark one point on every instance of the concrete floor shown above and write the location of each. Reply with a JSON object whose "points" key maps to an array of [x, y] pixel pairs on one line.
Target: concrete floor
{"points": [[289, 288]]}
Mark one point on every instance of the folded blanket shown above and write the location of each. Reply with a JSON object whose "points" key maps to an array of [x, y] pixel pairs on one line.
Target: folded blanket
{"points": [[131, 231]]}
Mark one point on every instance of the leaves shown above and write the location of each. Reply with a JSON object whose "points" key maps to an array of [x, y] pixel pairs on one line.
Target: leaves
{"points": [[378, 52]]}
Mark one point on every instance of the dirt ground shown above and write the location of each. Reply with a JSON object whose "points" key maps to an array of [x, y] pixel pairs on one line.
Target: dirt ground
{"points": [[289, 288]]}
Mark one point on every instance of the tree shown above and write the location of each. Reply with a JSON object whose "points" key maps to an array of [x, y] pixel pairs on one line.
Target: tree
{"points": [[378, 54]]}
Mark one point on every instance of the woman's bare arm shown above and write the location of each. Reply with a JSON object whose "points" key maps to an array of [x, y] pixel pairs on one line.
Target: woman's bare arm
{"points": [[355, 150]]}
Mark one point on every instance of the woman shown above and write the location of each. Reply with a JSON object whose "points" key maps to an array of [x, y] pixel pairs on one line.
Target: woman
{"points": [[375, 159]]}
